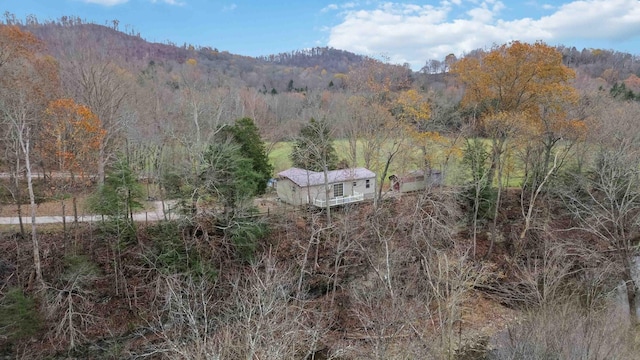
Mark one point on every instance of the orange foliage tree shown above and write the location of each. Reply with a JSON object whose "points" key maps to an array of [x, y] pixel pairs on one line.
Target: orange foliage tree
{"points": [[376, 83], [520, 88], [413, 111], [17, 44], [527, 82], [72, 134]]}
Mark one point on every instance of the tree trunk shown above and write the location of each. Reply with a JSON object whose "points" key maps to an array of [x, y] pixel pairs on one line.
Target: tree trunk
{"points": [[327, 193], [101, 165], [24, 144], [18, 195], [632, 290]]}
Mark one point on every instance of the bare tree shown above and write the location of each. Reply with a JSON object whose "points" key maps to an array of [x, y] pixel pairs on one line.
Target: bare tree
{"points": [[100, 86], [258, 319], [606, 201], [27, 82], [565, 331], [68, 308]]}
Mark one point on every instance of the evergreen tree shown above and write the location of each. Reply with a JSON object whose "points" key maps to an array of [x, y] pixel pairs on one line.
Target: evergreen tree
{"points": [[245, 133], [314, 149], [118, 198], [229, 175], [121, 193], [619, 91]]}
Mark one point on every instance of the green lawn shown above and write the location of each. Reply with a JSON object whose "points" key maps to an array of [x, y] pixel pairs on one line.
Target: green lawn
{"points": [[409, 158]]}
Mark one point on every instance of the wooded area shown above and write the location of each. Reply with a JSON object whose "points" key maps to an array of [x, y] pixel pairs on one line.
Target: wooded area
{"points": [[528, 249]]}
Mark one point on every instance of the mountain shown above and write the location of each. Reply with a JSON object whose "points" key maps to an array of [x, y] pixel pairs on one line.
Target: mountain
{"points": [[314, 68]]}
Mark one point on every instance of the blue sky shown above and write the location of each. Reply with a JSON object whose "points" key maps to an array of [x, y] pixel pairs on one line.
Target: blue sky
{"points": [[402, 31]]}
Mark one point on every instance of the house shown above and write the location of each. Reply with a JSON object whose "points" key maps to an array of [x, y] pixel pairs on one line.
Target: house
{"points": [[415, 181], [300, 187]]}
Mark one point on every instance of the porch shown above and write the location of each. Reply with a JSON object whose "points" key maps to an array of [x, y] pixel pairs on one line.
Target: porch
{"points": [[340, 200]]}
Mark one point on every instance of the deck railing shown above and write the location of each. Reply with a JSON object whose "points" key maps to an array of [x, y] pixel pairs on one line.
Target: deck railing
{"points": [[340, 200]]}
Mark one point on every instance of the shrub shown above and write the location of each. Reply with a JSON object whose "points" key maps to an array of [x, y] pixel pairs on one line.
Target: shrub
{"points": [[19, 317], [245, 236], [173, 254]]}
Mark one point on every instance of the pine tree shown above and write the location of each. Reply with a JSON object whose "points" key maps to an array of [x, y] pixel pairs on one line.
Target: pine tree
{"points": [[245, 133], [118, 198], [229, 175], [313, 150]]}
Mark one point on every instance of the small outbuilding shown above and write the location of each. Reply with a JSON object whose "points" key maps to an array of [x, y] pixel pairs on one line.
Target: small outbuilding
{"points": [[415, 180], [301, 187]]}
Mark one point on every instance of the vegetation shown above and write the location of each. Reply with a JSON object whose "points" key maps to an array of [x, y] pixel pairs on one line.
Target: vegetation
{"points": [[19, 318], [543, 266], [246, 134], [314, 150], [117, 200]]}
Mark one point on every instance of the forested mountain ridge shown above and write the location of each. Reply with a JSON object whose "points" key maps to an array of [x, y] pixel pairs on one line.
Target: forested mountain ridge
{"points": [[66, 36], [330, 59], [300, 69]]}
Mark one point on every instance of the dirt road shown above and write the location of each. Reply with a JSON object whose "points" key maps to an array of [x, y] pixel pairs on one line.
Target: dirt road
{"points": [[157, 213]]}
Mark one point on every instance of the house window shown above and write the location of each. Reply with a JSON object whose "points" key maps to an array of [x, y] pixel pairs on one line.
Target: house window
{"points": [[338, 190], [367, 184], [355, 184], [293, 188]]}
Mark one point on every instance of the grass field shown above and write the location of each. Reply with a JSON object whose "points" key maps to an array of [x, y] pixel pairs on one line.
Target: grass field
{"points": [[409, 158]]}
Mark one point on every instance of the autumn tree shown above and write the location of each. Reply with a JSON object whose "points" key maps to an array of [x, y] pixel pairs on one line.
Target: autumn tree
{"points": [[362, 130], [512, 87], [413, 110], [28, 79], [381, 134], [72, 134], [514, 80], [101, 86]]}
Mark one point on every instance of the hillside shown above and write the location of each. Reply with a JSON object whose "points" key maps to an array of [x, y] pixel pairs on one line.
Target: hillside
{"points": [[525, 247], [65, 37]]}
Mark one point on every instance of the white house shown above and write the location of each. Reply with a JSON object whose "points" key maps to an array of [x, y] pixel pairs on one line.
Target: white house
{"points": [[300, 187]]}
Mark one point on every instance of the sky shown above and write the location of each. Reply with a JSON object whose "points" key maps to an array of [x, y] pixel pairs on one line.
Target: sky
{"points": [[401, 31]]}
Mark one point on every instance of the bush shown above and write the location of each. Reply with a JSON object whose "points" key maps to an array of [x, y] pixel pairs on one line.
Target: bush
{"points": [[79, 268], [172, 184], [479, 191], [19, 317], [485, 196], [174, 255], [245, 236]]}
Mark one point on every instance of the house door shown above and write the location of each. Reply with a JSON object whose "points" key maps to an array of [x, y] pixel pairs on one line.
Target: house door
{"points": [[338, 190]]}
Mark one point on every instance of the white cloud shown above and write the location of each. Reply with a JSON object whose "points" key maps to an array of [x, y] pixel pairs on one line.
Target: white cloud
{"points": [[330, 7], [169, 2], [118, 2], [106, 2], [415, 33], [342, 6], [229, 7]]}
